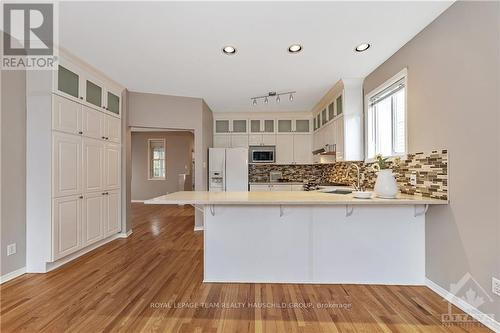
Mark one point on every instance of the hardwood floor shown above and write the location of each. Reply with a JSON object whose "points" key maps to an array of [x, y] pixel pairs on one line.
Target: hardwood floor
{"points": [[152, 281]]}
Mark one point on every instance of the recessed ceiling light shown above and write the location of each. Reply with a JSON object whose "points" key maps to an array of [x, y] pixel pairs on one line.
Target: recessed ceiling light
{"points": [[295, 48], [229, 50], [362, 47]]}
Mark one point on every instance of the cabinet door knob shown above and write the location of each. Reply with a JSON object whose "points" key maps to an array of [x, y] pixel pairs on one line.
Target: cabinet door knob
{"points": [[80, 197], [80, 132], [103, 137], [81, 97]]}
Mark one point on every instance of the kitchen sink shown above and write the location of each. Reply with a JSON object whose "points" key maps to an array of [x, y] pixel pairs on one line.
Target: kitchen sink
{"points": [[339, 191]]}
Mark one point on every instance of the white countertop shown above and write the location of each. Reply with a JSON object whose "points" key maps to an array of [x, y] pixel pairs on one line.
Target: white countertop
{"points": [[285, 198]]}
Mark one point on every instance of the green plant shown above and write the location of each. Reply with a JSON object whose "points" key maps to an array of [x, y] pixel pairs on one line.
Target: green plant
{"points": [[383, 163]]}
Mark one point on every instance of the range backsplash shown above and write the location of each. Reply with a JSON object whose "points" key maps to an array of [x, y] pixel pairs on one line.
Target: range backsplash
{"points": [[431, 170]]}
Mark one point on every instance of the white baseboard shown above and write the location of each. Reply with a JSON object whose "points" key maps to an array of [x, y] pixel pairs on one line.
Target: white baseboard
{"points": [[198, 228], [137, 201], [58, 263], [483, 318], [125, 234], [12, 275]]}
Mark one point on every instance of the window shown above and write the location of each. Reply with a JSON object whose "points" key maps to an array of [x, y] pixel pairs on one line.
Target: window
{"points": [[386, 118], [156, 157]]}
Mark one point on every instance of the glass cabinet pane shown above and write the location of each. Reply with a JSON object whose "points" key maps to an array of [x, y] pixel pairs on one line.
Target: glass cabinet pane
{"points": [[323, 117], [318, 121], [339, 105], [94, 94], [239, 126], [222, 126], [113, 103], [284, 126], [315, 126], [331, 111], [302, 126], [269, 126], [254, 126], [67, 81]]}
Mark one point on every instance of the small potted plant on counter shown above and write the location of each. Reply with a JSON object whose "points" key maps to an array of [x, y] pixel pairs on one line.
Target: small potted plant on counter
{"points": [[385, 185]]}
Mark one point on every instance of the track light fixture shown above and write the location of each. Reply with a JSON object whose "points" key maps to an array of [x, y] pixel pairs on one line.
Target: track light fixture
{"points": [[273, 94]]}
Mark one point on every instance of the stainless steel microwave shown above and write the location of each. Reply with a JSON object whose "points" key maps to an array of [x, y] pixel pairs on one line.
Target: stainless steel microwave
{"points": [[262, 154]]}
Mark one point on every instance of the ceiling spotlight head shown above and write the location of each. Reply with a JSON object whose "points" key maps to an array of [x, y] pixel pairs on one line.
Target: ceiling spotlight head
{"points": [[265, 100], [291, 97], [254, 102], [229, 50], [362, 47], [278, 99], [295, 48]]}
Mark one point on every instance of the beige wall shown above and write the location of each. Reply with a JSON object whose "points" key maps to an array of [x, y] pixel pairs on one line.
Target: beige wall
{"points": [[178, 160], [453, 89], [175, 112], [13, 169]]}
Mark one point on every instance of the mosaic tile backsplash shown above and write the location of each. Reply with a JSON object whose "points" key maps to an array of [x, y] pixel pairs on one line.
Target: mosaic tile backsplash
{"points": [[431, 170]]}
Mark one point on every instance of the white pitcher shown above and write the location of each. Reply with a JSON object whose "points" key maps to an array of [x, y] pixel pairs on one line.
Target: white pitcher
{"points": [[386, 185]]}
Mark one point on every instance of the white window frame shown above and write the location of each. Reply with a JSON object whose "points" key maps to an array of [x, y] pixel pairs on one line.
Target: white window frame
{"points": [[150, 158], [403, 74]]}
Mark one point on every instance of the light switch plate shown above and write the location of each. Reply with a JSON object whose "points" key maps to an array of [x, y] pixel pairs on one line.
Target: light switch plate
{"points": [[11, 249], [495, 286]]}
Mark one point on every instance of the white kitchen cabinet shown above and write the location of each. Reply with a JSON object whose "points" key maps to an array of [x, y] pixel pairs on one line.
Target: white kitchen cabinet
{"points": [[284, 149], [93, 165], [66, 164], [268, 139], [112, 219], [93, 218], [338, 129], [66, 115], [302, 149], [92, 122], [297, 187], [75, 166], [66, 215], [280, 187], [221, 126], [239, 140], [112, 128], [222, 141], [112, 166], [262, 139], [260, 188]]}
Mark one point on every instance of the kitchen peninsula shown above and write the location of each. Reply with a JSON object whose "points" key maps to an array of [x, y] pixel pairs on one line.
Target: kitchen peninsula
{"points": [[310, 237]]}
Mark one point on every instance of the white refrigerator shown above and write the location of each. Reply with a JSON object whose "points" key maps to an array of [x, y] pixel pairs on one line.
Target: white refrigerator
{"points": [[227, 169]]}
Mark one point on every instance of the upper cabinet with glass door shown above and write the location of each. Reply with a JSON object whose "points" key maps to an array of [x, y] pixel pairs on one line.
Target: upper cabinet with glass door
{"points": [[261, 126], [72, 82]]}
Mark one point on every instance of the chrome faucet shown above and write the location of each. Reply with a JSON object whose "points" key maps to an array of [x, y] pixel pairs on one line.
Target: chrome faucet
{"points": [[357, 187]]}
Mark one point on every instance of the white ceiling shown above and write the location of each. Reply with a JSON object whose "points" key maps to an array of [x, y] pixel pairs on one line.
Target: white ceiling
{"points": [[174, 48]]}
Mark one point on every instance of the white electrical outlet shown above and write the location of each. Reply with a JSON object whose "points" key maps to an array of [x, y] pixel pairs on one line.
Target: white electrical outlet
{"points": [[11, 249], [413, 179], [495, 286]]}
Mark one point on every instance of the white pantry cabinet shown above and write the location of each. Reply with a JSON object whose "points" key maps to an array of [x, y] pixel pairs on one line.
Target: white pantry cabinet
{"points": [[67, 224], [93, 165], [73, 164], [112, 164], [67, 165], [112, 213], [93, 217]]}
